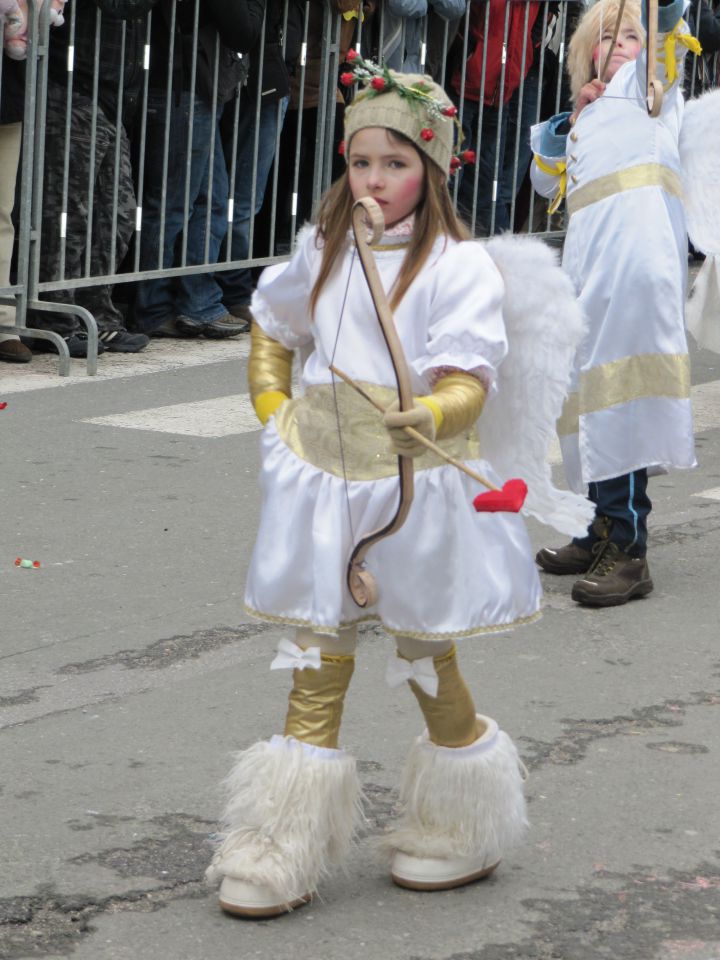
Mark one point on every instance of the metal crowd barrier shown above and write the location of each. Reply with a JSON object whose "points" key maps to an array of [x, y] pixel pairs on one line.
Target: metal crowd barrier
{"points": [[305, 145]]}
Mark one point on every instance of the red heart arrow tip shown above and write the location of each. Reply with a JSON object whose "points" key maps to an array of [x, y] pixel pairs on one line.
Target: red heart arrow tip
{"points": [[510, 499]]}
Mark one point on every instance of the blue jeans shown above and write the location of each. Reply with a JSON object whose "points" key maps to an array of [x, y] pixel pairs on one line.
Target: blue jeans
{"points": [[625, 502], [237, 285], [510, 125], [167, 297]]}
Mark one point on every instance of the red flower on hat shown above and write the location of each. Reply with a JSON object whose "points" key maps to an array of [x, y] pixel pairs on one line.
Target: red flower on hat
{"points": [[347, 79], [450, 111], [455, 164], [352, 54], [378, 83], [341, 148], [468, 156], [427, 134]]}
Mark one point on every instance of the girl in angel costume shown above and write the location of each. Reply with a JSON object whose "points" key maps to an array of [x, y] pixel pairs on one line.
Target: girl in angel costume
{"points": [[329, 476], [628, 414]]}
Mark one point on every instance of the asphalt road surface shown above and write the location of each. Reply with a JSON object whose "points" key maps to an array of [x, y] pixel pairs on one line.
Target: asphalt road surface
{"points": [[129, 674]]}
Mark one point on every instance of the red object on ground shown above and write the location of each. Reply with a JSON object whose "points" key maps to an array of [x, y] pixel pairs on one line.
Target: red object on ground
{"points": [[3, 405], [510, 498]]}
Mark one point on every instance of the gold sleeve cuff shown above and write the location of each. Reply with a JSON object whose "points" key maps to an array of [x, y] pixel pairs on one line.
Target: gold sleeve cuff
{"points": [[459, 399], [269, 367]]}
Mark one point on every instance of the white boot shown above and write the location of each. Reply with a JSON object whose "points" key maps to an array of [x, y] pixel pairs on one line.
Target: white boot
{"points": [[292, 814], [463, 808]]}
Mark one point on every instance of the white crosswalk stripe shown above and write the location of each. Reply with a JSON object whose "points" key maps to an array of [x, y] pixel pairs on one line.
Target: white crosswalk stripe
{"points": [[220, 417]]}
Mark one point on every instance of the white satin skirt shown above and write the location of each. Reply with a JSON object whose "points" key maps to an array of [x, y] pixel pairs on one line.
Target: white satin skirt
{"points": [[449, 571]]}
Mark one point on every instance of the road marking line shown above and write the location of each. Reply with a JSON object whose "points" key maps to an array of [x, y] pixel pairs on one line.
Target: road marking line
{"points": [[713, 494], [221, 417], [159, 357]]}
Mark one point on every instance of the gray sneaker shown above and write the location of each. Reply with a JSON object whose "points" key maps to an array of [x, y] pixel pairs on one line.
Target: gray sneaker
{"points": [[613, 579], [224, 327]]}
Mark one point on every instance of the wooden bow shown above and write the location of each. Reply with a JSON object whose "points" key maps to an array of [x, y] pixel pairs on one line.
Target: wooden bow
{"points": [[366, 215], [653, 86]]}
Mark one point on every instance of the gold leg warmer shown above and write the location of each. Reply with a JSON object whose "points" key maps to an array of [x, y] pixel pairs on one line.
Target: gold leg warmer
{"points": [[450, 717], [316, 701]]}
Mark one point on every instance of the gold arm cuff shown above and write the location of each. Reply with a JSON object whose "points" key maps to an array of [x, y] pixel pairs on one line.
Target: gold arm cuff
{"points": [[460, 398], [450, 717], [269, 367], [316, 701]]}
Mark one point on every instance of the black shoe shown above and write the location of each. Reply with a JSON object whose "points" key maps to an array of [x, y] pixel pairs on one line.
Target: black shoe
{"points": [[77, 345], [184, 327], [121, 341], [563, 560]]}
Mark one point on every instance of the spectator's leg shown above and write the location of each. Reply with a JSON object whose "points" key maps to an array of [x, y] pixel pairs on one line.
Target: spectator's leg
{"points": [[155, 299], [198, 296], [237, 285], [98, 300], [79, 190]]}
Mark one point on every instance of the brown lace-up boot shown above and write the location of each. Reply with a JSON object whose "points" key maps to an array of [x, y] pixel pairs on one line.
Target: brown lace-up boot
{"points": [[573, 558], [613, 579]]}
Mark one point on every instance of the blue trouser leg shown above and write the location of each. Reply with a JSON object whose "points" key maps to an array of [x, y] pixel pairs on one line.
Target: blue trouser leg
{"points": [[155, 299], [624, 501], [237, 285]]}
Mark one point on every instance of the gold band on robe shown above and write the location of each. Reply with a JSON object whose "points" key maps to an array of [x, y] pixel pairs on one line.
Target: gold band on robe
{"points": [[309, 427], [645, 375], [450, 717], [269, 366], [316, 700], [642, 175]]}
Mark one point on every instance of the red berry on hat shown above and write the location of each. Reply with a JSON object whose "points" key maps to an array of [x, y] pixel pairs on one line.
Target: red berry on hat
{"points": [[352, 54], [468, 156], [347, 79], [427, 134], [378, 83], [450, 111], [455, 164], [341, 148]]}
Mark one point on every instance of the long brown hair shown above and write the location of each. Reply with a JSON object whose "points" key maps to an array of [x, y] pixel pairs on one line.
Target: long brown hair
{"points": [[434, 216]]}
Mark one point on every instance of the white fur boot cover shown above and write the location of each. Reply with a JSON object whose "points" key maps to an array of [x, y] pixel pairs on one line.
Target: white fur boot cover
{"points": [[461, 802], [292, 813]]}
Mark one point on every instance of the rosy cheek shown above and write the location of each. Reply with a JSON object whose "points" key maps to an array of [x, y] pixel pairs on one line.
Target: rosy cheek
{"points": [[411, 186], [596, 54]]}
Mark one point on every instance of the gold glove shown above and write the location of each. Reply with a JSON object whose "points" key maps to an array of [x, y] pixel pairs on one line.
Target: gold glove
{"points": [[269, 373]]}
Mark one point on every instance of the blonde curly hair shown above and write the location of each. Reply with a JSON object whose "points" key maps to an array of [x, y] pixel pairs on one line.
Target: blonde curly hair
{"points": [[587, 36]]}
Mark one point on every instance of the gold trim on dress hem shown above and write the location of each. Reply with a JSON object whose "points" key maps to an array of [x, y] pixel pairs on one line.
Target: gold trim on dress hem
{"points": [[375, 618]]}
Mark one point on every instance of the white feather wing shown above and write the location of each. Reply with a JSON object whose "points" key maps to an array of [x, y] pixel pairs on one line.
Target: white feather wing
{"points": [[544, 327]]}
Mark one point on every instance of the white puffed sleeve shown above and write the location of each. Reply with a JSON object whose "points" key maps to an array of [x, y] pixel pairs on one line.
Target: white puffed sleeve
{"points": [[280, 304], [466, 329]]}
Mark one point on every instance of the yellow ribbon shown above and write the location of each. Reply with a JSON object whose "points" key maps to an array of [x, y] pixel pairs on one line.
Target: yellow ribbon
{"points": [[353, 15], [559, 168], [671, 42]]}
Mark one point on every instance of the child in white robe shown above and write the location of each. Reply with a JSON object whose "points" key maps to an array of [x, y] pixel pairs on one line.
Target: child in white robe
{"points": [[628, 414], [329, 477]]}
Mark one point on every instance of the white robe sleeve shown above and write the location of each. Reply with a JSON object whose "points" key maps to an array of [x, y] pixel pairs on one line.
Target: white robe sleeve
{"points": [[280, 305], [467, 330]]}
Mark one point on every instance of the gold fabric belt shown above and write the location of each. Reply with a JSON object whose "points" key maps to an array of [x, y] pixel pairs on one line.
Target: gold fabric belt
{"points": [[630, 378], [309, 427], [643, 175]]}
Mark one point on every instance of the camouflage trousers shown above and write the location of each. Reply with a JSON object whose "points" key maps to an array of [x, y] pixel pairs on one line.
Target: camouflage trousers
{"points": [[99, 211]]}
